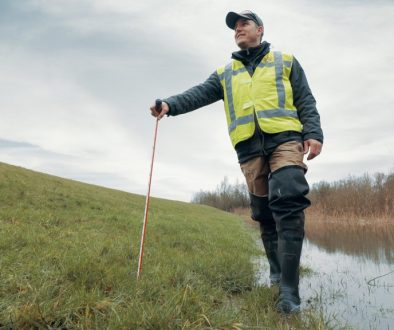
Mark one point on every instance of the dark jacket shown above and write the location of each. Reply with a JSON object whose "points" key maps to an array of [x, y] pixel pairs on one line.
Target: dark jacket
{"points": [[260, 143]]}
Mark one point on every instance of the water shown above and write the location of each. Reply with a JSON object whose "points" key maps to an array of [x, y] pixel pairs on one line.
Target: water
{"points": [[348, 288], [354, 290]]}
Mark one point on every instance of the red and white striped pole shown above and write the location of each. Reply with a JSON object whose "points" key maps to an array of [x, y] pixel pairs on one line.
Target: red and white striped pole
{"points": [[143, 234]]}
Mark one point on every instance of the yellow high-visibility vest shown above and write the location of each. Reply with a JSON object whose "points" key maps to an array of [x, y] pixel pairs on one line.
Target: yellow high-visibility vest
{"points": [[267, 95]]}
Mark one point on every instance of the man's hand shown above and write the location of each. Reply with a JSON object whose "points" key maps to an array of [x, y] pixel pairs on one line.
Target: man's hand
{"points": [[159, 113], [313, 147]]}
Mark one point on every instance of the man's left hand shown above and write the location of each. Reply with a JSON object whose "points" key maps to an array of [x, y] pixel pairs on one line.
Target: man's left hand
{"points": [[313, 147]]}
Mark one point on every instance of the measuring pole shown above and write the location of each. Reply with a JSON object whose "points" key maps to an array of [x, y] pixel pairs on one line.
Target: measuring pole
{"points": [[143, 234]]}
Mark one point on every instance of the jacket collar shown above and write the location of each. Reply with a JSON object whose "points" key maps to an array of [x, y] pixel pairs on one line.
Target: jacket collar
{"points": [[249, 54]]}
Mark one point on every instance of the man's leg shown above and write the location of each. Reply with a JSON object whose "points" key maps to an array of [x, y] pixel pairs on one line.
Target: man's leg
{"points": [[262, 214], [287, 200], [256, 173]]}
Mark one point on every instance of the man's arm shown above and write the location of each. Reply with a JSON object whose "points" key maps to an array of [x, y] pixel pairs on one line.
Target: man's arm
{"points": [[305, 103], [196, 97]]}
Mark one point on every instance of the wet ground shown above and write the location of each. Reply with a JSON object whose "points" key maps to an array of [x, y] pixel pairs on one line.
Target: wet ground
{"points": [[353, 290]]}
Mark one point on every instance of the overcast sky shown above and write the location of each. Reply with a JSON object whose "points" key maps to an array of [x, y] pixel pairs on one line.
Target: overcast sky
{"points": [[77, 78]]}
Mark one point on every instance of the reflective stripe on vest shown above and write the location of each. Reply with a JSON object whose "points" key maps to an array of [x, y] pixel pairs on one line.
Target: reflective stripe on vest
{"points": [[267, 94]]}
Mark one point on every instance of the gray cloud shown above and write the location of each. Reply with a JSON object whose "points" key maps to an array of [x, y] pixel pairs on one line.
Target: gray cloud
{"points": [[6, 144]]}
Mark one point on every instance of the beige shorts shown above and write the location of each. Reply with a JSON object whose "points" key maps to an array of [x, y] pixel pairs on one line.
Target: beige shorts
{"points": [[256, 170]]}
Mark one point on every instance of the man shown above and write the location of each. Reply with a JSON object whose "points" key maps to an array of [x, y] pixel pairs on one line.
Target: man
{"points": [[272, 121]]}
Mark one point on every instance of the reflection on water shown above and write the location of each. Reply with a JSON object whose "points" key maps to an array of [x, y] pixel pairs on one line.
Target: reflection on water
{"points": [[370, 240], [346, 286]]}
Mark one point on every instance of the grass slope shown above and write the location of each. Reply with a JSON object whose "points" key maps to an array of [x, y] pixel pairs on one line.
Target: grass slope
{"points": [[68, 260]]}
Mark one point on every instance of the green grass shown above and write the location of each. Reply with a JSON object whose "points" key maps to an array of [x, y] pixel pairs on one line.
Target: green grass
{"points": [[69, 252]]}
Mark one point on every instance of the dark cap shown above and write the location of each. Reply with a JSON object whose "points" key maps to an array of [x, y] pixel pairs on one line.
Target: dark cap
{"points": [[233, 17]]}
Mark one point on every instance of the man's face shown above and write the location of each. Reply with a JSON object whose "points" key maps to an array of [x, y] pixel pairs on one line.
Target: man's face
{"points": [[247, 33]]}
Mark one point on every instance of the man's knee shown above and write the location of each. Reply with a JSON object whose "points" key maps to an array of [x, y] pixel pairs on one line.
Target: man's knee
{"points": [[287, 200], [262, 213], [288, 189], [259, 208]]}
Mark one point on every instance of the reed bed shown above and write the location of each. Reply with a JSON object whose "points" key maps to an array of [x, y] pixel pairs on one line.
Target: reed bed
{"points": [[355, 198]]}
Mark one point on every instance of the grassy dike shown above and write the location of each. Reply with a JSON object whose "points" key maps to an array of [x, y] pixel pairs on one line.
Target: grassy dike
{"points": [[68, 260]]}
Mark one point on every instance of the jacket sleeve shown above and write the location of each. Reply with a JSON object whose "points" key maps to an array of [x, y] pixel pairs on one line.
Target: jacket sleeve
{"points": [[305, 104], [196, 97]]}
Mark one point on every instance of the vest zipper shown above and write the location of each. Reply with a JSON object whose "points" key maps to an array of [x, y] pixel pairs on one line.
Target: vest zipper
{"points": [[260, 133]]}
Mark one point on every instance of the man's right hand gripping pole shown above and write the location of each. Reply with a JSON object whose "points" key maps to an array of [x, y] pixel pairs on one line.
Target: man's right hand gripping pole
{"points": [[159, 109]]}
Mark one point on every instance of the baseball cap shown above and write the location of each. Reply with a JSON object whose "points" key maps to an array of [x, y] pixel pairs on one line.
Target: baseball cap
{"points": [[232, 18]]}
